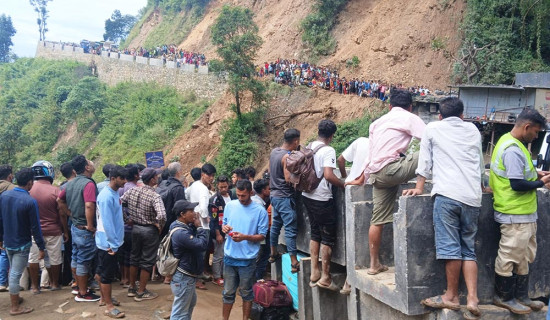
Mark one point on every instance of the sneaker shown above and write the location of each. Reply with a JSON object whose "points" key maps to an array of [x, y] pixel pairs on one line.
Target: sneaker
{"points": [[132, 292], [74, 290], [3, 288], [146, 295], [94, 285], [88, 297], [218, 282]]}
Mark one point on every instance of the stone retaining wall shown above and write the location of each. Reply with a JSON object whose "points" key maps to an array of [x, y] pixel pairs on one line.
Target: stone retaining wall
{"points": [[113, 68]]}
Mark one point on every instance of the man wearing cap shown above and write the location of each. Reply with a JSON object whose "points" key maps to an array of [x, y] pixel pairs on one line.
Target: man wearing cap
{"points": [[147, 213], [189, 241], [53, 223]]}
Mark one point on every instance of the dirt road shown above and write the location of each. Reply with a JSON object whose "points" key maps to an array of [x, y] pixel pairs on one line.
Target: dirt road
{"points": [[209, 305]]}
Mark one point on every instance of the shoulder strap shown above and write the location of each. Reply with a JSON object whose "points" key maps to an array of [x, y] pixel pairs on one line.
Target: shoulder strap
{"points": [[322, 145]]}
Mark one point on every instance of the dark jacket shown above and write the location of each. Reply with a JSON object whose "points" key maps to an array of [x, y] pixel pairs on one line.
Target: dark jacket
{"points": [[216, 205], [19, 220], [170, 190], [188, 245]]}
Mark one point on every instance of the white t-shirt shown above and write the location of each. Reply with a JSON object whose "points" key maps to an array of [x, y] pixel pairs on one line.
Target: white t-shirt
{"points": [[358, 154], [324, 158]]}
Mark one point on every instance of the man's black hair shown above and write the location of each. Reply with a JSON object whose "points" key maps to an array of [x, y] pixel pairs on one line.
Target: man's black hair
{"points": [[133, 172], [241, 174], [79, 163], [23, 176], [208, 169], [222, 178], [291, 134], [5, 171], [244, 185], [250, 172], [140, 166], [532, 116], [66, 170], [118, 172], [451, 107], [165, 174], [260, 185], [196, 174], [107, 169], [400, 98], [326, 128]]}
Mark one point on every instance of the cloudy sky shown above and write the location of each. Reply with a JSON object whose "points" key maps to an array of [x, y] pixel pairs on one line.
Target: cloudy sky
{"points": [[70, 20]]}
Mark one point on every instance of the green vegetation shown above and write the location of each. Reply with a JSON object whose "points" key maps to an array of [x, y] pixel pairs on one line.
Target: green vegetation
{"points": [[118, 26], [240, 141], [353, 63], [55, 109], [438, 44], [6, 32], [316, 27], [236, 36], [504, 37]]}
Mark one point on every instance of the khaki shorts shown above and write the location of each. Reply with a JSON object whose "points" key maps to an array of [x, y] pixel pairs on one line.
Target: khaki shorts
{"points": [[52, 252], [386, 185]]}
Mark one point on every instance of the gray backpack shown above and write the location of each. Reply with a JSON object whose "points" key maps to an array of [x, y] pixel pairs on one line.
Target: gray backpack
{"points": [[166, 262]]}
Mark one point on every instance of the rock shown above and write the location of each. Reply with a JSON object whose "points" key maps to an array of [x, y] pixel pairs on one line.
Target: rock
{"points": [[61, 306], [87, 314], [47, 304], [195, 126]]}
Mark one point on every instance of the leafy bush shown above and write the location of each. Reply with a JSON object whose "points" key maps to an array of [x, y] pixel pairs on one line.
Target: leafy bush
{"points": [[240, 141], [316, 26]]}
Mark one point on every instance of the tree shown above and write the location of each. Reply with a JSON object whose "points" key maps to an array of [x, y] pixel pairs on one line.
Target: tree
{"points": [[118, 26], [236, 36], [6, 32], [42, 11]]}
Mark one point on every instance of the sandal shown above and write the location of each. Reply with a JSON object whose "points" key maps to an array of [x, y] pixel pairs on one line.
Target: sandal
{"points": [[115, 314], [438, 303], [332, 286], [23, 310], [274, 257], [295, 268], [381, 268], [113, 300], [200, 285]]}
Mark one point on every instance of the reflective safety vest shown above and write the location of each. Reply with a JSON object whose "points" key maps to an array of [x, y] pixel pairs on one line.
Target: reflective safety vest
{"points": [[507, 200]]}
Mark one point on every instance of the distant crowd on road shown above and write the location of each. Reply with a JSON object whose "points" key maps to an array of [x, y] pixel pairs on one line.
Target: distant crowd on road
{"points": [[295, 73]]}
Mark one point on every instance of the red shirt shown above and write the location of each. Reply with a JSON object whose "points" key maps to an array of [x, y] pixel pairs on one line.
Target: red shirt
{"points": [[46, 196]]}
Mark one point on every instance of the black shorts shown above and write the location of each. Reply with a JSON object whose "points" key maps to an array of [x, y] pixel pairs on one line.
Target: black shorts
{"points": [[322, 219], [107, 266]]}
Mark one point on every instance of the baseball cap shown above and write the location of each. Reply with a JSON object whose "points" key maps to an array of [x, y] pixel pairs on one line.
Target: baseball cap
{"points": [[148, 173], [183, 205]]}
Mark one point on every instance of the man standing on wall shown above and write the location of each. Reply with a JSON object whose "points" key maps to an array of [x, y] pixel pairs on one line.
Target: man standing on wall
{"points": [[320, 207], [457, 188], [515, 181], [389, 165], [283, 202], [80, 197]]}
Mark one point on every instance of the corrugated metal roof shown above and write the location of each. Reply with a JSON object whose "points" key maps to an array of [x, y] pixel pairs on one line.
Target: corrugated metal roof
{"points": [[533, 80], [488, 86]]}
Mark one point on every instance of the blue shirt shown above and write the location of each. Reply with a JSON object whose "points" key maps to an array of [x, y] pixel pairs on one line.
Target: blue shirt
{"points": [[250, 220], [110, 223], [19, 220]]}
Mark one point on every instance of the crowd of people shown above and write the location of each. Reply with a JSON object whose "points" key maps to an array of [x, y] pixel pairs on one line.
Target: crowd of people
{"points": [[113, 229], [168, 53], [296, 73]]}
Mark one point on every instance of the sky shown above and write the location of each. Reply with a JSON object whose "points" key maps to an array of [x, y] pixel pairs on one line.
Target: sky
{"points": [[69, 20]]}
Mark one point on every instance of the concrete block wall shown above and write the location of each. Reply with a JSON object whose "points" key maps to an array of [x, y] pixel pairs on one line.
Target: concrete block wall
{"points": [[113, 69]]}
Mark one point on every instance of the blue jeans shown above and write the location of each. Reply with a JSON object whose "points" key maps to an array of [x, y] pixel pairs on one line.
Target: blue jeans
{"points": [[84, 249], [238, 277], [284, 213], [455, 225], [548, 314], [4, 268], [18, 263], [185, 296]]}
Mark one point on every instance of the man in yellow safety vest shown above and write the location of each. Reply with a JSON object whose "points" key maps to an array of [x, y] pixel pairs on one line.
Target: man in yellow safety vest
{"points": [[515, 181]]}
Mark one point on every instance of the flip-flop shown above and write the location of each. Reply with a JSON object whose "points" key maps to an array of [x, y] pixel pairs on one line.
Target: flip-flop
{"points": [[113, 300], [474, 310], [381, 268], [55, 288], [23, 310], [331, 287], [295, 268], [345, 291], [115, 314], [438, 303], [313, 284], [468, 315]]}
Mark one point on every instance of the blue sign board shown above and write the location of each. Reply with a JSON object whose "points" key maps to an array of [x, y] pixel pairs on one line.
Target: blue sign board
{"points": [[154, 159]]}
